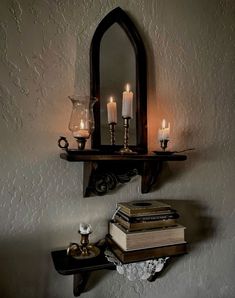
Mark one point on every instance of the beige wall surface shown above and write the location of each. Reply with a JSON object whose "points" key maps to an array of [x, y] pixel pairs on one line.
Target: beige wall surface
{"points": [[44, 54]]}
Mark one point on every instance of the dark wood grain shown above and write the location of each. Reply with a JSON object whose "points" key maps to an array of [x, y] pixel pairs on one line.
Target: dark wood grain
{"points": [[120, 157], [67, 265], [80, 269]]}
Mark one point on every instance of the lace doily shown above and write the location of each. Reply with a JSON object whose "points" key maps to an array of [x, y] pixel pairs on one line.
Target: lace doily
{"points": [[139, 270]]}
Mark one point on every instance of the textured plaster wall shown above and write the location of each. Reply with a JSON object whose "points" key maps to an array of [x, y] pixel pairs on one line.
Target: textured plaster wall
{"points": [[44, 48]]}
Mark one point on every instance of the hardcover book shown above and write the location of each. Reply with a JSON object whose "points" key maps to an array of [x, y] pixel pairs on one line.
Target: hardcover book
{"points": [[142, 225], [142, 207], [146, 239], [145, 254], [171, 214]]}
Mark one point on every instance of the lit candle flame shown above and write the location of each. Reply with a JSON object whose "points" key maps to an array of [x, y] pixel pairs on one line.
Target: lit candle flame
{"points": [[111, 99], [128, 87], [82, 124]]}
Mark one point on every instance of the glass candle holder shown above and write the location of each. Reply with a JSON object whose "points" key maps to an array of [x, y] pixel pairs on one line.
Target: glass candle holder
{"points": [[81, 122]]}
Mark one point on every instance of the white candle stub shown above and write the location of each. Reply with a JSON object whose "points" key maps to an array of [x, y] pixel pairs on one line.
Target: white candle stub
{"points": [[85, 229], [127, 103], [82, 131], [164, 132], [112, 111]]}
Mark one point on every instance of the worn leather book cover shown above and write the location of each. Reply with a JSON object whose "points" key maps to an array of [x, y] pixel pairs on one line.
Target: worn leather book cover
{"points": [[145, 254], [142, 207]]}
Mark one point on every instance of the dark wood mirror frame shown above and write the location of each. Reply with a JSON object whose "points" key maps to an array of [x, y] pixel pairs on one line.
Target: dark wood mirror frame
{"points": [[104, 170], [120, 17]]}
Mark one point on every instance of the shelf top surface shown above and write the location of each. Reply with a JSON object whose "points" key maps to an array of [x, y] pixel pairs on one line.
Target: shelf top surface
{"points": [[96, 156], [67, 265]]}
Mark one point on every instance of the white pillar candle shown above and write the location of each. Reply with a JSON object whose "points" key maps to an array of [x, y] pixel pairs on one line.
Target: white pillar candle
{"points": [[127, 103], [164, 132], [112, 111], [82, 132]]}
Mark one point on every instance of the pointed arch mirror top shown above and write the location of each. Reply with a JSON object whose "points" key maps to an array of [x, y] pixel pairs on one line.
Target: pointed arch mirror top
{"points": [[118, 16]]}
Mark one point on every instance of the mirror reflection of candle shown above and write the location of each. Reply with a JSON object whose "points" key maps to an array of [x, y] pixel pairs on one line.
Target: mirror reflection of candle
{"points": [[164, 132], [112, 111], [127, 103], [163, 123]]}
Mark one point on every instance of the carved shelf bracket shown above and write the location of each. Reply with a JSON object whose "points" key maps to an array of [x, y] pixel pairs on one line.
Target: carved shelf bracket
{"points": [[106, 176], [104, 172]]}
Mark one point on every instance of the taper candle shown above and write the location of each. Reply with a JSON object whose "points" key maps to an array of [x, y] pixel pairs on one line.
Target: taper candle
{"points": [[127, 103], [112, 111]]}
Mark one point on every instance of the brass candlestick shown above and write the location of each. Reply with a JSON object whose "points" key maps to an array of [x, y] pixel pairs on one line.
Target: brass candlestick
{"points": [[81, 141], [164, 144], [84, 244], [112, 132], [85, 250], [126, 149]]}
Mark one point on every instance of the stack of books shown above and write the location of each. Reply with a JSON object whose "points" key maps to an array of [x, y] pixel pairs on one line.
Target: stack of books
{"points": [[146, 229]]}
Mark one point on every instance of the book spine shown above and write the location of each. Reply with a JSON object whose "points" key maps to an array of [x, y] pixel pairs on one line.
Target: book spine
{"points": [[141, 255], [145, 224], [148, 218]]}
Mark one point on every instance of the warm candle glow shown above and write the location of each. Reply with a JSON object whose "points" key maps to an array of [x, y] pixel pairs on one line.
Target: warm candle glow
{"points": [[82, 124], [164, 132], [82, 132], [163, 123], [111, 99], [128, 87]]}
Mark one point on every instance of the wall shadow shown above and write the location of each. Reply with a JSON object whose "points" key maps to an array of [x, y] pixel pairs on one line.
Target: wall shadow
{"points": [[199, 228], [193, 215]]}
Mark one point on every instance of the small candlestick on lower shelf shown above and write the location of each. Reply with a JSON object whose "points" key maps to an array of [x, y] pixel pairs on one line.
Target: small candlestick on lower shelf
{"points": [[85, 250]]}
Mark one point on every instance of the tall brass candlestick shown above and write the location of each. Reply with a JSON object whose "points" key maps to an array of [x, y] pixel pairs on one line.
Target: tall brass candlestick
{"points": [[126, 149], [112, 133]]}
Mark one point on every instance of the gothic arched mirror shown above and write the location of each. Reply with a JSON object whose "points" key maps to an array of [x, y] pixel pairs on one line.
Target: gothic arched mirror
{"points": [[117, 58]]}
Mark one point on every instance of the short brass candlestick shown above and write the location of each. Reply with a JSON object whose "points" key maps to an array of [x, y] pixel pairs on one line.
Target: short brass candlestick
{"points": [[85, 250], [126, 149], [84, 244], [81, 141], [112, 132], [164, 144]]}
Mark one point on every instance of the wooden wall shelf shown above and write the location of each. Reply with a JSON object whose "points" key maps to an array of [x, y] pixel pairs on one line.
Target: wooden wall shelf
{"points": [[103, 172], [81, 269]]}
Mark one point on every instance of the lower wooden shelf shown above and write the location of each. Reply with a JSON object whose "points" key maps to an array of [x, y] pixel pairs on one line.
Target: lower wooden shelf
{"points": [[81, 269]]}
